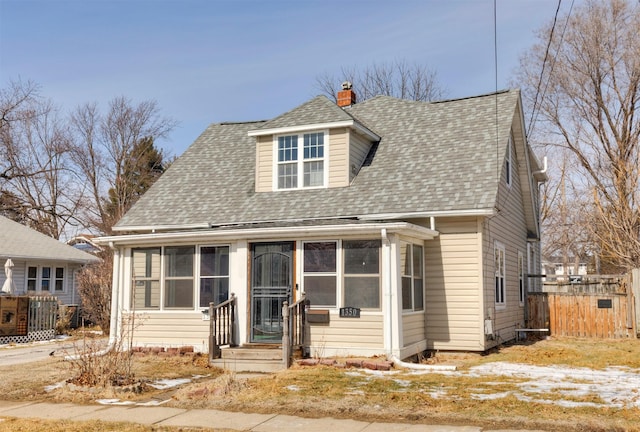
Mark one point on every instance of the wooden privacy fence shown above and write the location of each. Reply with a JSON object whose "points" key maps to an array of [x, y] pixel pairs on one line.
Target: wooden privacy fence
{"points": [[581, 310]]}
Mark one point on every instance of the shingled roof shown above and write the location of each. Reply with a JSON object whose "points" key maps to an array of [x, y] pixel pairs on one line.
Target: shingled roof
{"points": [[432, 157], [19, 241]]}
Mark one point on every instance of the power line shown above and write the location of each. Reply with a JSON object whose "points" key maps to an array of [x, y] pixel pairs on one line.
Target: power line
{"points": [[544, 92], [544, 63]]}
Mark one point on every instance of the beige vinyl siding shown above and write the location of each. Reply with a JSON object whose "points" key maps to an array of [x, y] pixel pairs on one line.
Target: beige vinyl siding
{"points": [[264, 163], [508, 227], [338, 159], [358, 335], [413, 329], [171, 329], [358, 150], [454, 286]]}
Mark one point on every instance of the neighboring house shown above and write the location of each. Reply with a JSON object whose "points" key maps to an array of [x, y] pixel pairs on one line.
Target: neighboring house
{"points": [[422, 217], [554, 267], [41, 265], [86, 243]]}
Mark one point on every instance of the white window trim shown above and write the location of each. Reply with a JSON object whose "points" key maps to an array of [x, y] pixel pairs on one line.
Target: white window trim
{"points": [[300, 161], [522, 285], [199, 276], [413, 278], [509, 162], [500, 249], [340, 274], [337, 273], [52, 279]]}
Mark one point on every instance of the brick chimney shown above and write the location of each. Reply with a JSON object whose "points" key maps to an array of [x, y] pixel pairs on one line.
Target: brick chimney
{"points": [[346, 97]]}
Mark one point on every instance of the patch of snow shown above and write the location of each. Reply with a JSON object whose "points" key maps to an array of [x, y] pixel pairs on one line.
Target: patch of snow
{"points": [[114, 402], [490, 396], [293, 388], [153, 402], [615, 387], [52, 387], [402, 383], [164, 384]]}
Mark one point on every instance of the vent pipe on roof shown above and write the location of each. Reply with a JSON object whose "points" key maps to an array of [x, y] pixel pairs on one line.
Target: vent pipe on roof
{"points": [[346, 97]]}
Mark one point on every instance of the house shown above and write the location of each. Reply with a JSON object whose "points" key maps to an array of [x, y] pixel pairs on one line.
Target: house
{"points": [[554, 268], [86, 243], [41, 265], [410, 226]]}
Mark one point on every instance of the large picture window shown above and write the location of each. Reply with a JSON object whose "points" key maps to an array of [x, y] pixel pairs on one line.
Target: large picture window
{"points": [[412, 281], [214, 275], [320, 277], [309, 162], [362, 273]]}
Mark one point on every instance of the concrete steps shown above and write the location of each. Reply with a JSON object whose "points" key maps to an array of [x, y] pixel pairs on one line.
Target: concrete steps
{"points": [[248, 358]]}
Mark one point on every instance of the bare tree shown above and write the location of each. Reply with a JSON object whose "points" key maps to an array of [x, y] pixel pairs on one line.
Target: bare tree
{"points": [[94, 286], [398, 79], [104, 150], [38, 186], [586, 100]]}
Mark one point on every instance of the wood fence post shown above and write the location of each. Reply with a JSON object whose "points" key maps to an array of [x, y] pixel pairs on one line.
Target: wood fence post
{"points": [[635, 287], [286, 344]]}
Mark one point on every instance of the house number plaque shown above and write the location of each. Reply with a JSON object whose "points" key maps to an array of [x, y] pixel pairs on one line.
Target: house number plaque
{"points": [[349, 312], [604, 304]]}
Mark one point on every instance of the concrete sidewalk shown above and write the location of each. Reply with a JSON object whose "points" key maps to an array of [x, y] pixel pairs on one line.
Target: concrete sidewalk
{"points": [[167, 416]]}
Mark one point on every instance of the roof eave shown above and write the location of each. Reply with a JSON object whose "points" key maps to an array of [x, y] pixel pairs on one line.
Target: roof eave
{"points": [[329, 125], [405, 228]]}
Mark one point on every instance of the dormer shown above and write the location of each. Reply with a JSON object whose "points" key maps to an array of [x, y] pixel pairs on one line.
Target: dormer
{"points": [[316, 145]]}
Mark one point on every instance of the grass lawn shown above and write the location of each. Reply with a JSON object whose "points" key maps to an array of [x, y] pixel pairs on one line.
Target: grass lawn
{"points": [[564, 393]]}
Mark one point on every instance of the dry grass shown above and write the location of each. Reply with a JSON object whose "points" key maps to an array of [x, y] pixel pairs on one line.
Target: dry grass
{"points": [[328, 391], [29, 425]]}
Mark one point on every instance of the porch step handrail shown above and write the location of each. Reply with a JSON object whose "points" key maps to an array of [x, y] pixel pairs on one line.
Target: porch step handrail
{"points": [[295, 329], [222, 326]]}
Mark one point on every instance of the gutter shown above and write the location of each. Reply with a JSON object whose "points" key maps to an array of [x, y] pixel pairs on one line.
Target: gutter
{"points": [[114, 322], [269, 233]]}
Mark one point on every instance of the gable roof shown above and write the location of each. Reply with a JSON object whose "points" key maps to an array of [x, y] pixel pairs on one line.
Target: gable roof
{"points": [[19, 241], [432, 158]]}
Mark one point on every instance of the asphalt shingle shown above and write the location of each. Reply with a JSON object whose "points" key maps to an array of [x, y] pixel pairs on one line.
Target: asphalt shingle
{"points": [[432, 157]]}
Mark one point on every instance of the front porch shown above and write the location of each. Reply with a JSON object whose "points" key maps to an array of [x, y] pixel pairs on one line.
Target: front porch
{"points": [[225, 352]]}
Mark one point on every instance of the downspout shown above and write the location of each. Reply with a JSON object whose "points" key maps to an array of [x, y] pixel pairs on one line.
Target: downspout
{"points": [[115, 304], [387, 287], [387, 282], [544, 167]]}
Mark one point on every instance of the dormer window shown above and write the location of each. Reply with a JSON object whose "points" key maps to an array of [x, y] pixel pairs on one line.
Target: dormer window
{"points": [[310, 161]]}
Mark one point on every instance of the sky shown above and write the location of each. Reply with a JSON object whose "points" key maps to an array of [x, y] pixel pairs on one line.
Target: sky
{"points": [[209, 61]]}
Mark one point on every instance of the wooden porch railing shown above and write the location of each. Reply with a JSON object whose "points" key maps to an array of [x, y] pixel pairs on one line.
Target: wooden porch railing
{"points": [[295, 329], [222, 326]]}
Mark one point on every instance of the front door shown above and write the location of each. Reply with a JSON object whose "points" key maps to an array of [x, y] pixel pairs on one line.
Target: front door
{"points": [[271, 281]]}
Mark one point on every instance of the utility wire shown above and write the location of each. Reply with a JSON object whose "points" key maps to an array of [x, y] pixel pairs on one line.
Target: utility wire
{"points": [[544, 63], [544, 92]]}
